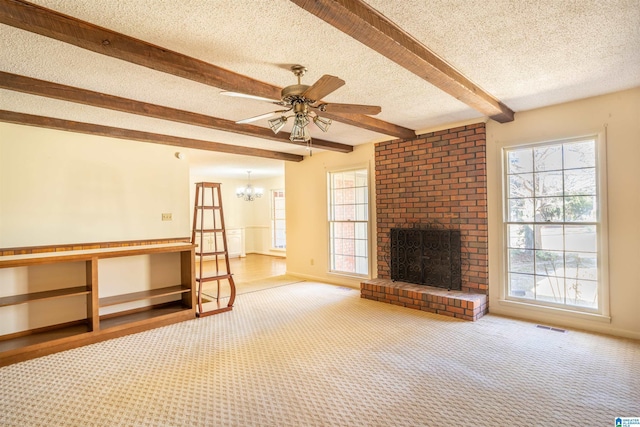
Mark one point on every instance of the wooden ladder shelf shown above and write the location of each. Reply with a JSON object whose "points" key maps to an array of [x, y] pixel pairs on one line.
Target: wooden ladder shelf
{"points": [[208, 226]]}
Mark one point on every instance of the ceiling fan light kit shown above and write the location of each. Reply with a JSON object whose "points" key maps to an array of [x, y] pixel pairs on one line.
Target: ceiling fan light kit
{"points": [[276, 125], [300, 132], [322, 123], [303, 102]]}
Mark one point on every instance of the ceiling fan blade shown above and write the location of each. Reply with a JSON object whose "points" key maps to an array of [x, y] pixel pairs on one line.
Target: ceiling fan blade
{"points": [[350, 108], [323, 87], [244, 95], [256, 118]]}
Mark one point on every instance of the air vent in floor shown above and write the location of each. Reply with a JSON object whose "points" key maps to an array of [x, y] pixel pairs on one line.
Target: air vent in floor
{"points": [[549, 328]]}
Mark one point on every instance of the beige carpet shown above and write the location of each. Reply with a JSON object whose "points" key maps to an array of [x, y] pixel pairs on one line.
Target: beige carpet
{"points": [[210, 290], [313, 354]]}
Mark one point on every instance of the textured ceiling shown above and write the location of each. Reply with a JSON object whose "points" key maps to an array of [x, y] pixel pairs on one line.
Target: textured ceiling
{"points": [[526, 54]]}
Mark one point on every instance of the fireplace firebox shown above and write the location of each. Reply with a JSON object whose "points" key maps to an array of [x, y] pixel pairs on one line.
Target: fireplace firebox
{"points": [[426, 256]]}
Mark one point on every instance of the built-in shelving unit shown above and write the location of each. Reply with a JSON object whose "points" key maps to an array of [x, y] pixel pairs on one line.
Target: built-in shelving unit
{"points": [[56, 293], [152, 306]]}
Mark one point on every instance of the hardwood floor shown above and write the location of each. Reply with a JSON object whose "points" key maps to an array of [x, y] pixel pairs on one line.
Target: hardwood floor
{"points": [[252, 267]]}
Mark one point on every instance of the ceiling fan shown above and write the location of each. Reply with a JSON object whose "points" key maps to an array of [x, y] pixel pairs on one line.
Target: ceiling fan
{"points": [[303, 102]]}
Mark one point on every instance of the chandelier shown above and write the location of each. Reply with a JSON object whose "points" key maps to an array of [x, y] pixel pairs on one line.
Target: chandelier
{"points": [[249, 192]]}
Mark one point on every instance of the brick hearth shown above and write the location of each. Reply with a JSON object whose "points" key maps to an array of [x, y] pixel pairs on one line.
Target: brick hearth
{"points": [[462, 305]]}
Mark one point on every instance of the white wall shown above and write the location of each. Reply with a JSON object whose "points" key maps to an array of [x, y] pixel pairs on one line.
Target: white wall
{"points": [[61, 187], [620, 113], [306, 205], [254, 217]]}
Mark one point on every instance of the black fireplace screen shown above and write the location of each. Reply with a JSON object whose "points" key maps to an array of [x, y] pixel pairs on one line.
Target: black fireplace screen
{"points": [[426, 257]]}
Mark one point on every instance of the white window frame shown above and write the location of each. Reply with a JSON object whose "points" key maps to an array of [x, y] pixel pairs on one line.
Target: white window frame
{"points": [[274, 219], [368, 261], [602, 313]]}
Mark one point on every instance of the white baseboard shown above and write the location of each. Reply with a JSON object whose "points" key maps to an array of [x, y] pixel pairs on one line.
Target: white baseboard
{"points": [[551, 319]]}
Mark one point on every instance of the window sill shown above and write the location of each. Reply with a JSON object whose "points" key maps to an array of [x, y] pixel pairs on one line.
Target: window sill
{"points": [[554, 311]]}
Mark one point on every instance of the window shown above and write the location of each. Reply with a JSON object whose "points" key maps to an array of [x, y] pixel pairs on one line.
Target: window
{"points": [[349, 222], [553, 225], [278, 224]]}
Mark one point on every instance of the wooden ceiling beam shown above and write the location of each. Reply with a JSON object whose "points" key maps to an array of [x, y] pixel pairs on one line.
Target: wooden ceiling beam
{"points": [[96, 99], [368, 26], [134, 135], [363, 121], [367, 122], [49, 23]]}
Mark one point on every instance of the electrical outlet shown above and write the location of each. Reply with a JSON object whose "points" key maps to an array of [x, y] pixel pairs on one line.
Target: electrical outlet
{"points": [[166, 217]]}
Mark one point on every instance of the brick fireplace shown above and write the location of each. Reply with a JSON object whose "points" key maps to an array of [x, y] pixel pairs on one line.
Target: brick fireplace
{"points": [[436, 180]]}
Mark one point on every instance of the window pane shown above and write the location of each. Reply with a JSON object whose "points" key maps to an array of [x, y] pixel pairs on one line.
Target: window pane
{"points": [[549, 237], [521, 210], [550, 289], [343, 180], [583, 293], [580, 209], [361, 213], [549, 263], [520, 236], [348, 247], [348, 179], [521, 261], [548, 184], [549, 209], [521, 185], [522, 285], [349, 196], [580, 154], [344, 230], [581, 265], [581, 238], [547, 158], [580, 182], [361, 195], [520, 161], [351, 212], [362, 265], [361, 230], [337, 246]]}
